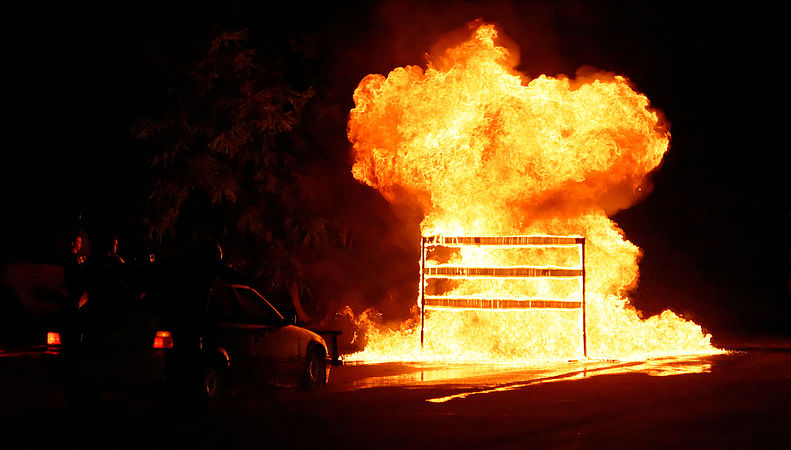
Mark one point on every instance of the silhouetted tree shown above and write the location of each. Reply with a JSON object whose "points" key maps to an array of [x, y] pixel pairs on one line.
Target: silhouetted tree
{"points": [[226, 167]]}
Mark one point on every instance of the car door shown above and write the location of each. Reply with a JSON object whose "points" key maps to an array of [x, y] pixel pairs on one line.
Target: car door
{"points": [[230, 331], [276, 345]]}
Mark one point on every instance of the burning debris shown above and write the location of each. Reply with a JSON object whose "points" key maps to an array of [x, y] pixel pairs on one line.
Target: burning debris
{"points": [[487, 151]]}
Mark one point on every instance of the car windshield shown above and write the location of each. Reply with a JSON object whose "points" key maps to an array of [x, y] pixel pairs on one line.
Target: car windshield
{"points": [[222, 305], [256, 307]]}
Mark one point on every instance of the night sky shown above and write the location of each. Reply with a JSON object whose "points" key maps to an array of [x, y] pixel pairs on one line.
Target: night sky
{"points": [[715, 231]]}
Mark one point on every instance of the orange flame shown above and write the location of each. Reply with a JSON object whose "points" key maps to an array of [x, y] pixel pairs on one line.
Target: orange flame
{"points": [[487, 151]]}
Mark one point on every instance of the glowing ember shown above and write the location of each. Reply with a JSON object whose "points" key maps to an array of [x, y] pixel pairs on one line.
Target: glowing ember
{"points": [[487, 151]]}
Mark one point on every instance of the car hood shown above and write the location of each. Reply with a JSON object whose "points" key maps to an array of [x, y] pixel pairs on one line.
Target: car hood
{"points": [[306, 334]]}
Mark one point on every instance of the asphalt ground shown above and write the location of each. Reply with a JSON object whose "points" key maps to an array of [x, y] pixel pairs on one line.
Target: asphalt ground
{"points": [[741, 399]]}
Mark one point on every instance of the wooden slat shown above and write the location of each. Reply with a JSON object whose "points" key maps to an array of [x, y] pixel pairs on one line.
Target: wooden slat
{"points": [[504, 241], [499, 272], [489, 303]]}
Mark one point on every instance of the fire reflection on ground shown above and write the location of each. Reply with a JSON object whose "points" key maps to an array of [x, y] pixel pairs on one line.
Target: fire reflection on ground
{"points": [[478, 379]]}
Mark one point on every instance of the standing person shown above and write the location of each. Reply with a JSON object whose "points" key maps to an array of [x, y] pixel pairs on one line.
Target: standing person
{"points": [[74, 273], [112, 253], [106, 274]]}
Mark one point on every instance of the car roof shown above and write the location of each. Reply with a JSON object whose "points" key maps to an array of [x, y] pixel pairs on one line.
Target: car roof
{"points": [[233, 285]]}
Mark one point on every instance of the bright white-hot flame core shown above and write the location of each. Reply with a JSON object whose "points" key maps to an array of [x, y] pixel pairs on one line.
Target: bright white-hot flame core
{"points": [[487, 151]]}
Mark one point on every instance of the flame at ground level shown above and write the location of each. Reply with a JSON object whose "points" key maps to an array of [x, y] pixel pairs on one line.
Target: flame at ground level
{"points": [[614, 331], [454, 343], [487, 151]]}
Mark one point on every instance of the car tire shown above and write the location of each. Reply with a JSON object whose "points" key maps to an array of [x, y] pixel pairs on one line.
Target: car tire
{"points": [[315, 373], [213, 385]]}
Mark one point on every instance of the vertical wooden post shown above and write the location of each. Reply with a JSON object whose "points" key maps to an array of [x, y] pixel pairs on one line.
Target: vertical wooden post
{"points": [[584, 325], [422, 287]]}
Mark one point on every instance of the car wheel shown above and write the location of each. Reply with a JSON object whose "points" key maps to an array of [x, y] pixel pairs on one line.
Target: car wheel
{"points": [[213, 384], [315, 375]]}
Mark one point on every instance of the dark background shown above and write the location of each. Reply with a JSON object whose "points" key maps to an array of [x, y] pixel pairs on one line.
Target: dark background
{"points": [[715, 230]]}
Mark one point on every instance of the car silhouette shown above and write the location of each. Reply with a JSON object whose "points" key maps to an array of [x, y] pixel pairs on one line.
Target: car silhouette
{"points": [[232, 337], [243, 338]]}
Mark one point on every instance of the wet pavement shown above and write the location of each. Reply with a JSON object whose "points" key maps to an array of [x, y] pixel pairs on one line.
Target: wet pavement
{"points": [[734, 400], [492, 376]]}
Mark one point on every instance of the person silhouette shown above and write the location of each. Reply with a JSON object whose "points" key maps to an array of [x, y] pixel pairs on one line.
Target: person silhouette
{"points": [[105, 280], [74, 272]]}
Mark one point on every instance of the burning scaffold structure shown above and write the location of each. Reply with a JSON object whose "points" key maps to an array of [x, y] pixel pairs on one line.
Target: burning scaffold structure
{"points": [[502, 160], [430, 299]]}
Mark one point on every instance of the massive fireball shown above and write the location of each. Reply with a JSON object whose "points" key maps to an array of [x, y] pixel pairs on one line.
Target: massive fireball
{"points": [[487, 151]]}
